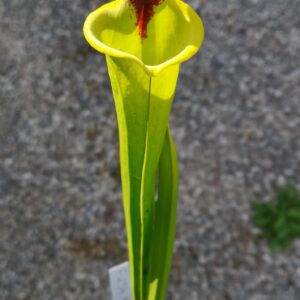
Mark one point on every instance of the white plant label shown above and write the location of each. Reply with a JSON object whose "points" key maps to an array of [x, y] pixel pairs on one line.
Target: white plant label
{"points": [[119, 277]]}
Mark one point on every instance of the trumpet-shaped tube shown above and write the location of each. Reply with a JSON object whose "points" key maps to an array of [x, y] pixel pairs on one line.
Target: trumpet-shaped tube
{"points": [[143, 55]]}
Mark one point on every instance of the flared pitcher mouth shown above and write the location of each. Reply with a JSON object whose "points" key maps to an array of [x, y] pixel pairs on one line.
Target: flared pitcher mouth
{"points": [[174, 34]]}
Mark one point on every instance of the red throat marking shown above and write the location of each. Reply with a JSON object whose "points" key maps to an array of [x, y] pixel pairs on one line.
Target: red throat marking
{"points": [[144, 10]]}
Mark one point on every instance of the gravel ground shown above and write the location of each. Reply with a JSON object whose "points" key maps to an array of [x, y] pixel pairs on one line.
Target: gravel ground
{"points": [[236, 124]]}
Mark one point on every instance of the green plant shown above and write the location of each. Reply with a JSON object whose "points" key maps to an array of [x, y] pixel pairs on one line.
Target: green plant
{"points": [[144, 42], [279, 221]]}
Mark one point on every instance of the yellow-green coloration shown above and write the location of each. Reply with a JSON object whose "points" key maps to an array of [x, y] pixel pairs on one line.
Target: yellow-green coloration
{"points": [[143, 74]]}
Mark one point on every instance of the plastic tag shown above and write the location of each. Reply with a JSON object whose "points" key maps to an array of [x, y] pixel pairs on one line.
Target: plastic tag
{"points": [[119, 277]]}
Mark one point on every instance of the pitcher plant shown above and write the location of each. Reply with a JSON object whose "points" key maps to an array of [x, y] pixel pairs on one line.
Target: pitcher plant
{"points": [[144, 42]]}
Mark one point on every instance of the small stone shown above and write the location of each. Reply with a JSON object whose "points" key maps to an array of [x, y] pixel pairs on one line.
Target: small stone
{"points": [[80, 276], [218, 61], [281, 181], [8, 162]]}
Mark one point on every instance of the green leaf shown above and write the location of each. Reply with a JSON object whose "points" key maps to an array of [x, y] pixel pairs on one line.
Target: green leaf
{"points": [[279, 221], [165, 221]]}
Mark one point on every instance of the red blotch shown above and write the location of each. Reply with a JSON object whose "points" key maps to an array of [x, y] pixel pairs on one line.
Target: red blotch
{"points": [[144, 10]]}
